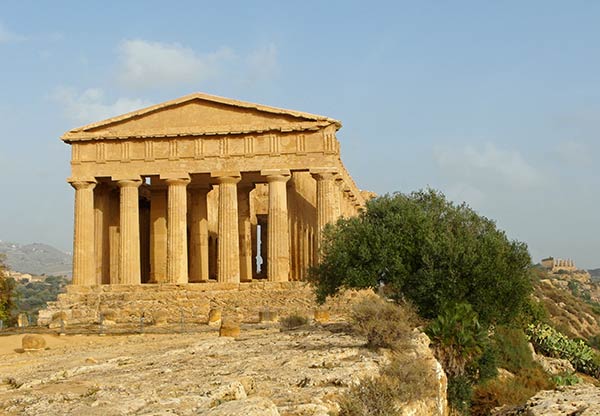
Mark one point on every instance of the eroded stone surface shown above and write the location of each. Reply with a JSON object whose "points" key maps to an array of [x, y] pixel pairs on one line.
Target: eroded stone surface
{"points": [[299, 371], [578, 400]]}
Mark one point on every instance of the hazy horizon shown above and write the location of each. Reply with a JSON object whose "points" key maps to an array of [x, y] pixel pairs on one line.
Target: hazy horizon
{"points": [[494, 104]]}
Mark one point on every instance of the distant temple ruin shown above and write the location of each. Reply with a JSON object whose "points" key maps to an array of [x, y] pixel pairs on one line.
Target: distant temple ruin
{"points": [[199, 188], [556, 265]]}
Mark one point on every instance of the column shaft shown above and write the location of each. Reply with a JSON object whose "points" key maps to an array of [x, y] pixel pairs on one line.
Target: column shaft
{"points": [[129, 263], [102, 248], [245, 230], [327, 201], [199, 235], [177, 260], [114, 236], [228, 247], [279, 235], [84, 270]]}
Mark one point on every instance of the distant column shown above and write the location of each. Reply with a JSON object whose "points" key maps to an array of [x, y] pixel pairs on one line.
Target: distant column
{"points": [[228, 246], [327, 199], [177, 253], [278, 250], [158, 234], [129, 264], [245, 230], [199, 234], [102, 247], [84, 270]]}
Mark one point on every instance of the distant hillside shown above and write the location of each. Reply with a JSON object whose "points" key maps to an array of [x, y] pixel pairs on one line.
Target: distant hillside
{"points": [[595, 273], [36, 259]]}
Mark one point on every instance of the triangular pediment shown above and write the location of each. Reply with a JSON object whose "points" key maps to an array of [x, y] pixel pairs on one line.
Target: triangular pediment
{"points": [[196, 115]]}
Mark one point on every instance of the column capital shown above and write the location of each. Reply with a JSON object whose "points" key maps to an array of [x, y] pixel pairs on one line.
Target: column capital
{"points": [[79, 184], [324, 173], [226, 176], [177, 181], [276, 175], [129, 183]]}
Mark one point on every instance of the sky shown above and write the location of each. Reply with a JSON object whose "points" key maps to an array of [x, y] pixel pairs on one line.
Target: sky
{"points": [[493, 103]]}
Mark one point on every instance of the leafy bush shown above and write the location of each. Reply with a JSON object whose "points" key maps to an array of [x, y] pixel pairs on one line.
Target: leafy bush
{"points": [[293, 321], [384, 324], [429, 250], [460, 393], [510, 391], [513, 349], [552, 343], [457, 338], [566, 379]]}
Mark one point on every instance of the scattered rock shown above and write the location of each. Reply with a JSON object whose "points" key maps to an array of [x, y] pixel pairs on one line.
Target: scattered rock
{"points": [[91, 360], [214, 317], [255, 406], [267, 315], [321, 316], [229, 329], [232, 391], [33, 342]]}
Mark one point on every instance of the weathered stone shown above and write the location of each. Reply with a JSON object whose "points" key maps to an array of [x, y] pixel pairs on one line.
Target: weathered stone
{"points": [[229, 329], [267, 315], [33, 342], [160, 317], [214, 317], [579, 400], [22, 320], [253, 406], [321, 316]]}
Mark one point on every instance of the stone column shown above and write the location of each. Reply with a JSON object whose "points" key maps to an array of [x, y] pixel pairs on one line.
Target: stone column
{"points": [[158, 234], [245, 230], [129, 262], [327, 199], [177, 260], [114, 235], [84, 269], [102, 248], [228, 246], [199, 234], [279, 234]]}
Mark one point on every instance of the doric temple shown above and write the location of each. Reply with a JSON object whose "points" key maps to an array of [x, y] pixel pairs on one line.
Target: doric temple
{"points": [[204, 188]]}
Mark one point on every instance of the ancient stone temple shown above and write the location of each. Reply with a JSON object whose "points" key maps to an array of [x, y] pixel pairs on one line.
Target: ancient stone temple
{"points": [[204, 188]]}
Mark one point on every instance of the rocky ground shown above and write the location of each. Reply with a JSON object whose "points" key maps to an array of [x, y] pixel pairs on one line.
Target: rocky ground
{"points": [[579, 400], [264, 372]]}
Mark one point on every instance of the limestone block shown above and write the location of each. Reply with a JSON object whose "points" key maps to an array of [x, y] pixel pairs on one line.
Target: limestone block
{"points": [[214, 317], [267, 315], [160, 317], [229, 329], [33, 342], [254, 406], [321, 316]]}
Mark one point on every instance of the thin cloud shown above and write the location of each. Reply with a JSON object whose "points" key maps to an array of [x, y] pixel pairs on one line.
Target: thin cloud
{"points": [[574, 152], [7, 36], [91, 105], [145, 64], [487, 166], [262, 63]]}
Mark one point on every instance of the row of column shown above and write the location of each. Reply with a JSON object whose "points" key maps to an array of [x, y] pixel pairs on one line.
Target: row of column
{"points": [[234, 249]]}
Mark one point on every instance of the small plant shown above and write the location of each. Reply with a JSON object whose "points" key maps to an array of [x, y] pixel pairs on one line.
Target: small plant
{"points": [[566, 379], [293, 321], [384, 324]]}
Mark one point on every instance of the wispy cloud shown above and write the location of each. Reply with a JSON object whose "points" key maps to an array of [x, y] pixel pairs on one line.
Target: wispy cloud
{"points": [[262, 63], [146, 64], [7, 36], [92, 105], [487, 166]]}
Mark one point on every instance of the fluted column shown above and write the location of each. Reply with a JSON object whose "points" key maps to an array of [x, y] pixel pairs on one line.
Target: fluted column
{"points": [[327, 199], [228, 248], [245, 230], [278, 250], [199, 234], [129, 262], [158, 234], [102, 249], [84, 269], [177, 259]]}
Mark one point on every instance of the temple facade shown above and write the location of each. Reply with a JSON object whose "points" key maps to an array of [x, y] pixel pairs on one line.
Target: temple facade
{"points": [[204, 188]]}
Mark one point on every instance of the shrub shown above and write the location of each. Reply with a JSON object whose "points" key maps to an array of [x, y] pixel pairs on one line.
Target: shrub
{"points": [[552, 343], [457, 338], [513, 350], [384, 324], [402, 381], [460, 393], [293, 321]]}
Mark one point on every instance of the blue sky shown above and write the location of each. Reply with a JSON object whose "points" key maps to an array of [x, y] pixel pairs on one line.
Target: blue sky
{"points": [[495, 103]]}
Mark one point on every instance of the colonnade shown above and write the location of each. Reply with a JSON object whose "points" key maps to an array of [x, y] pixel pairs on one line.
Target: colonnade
{"points": [[117, 240]]}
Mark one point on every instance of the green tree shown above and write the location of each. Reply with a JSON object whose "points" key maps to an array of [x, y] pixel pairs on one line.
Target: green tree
{"points": [[429, 250], [7, 286]]}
